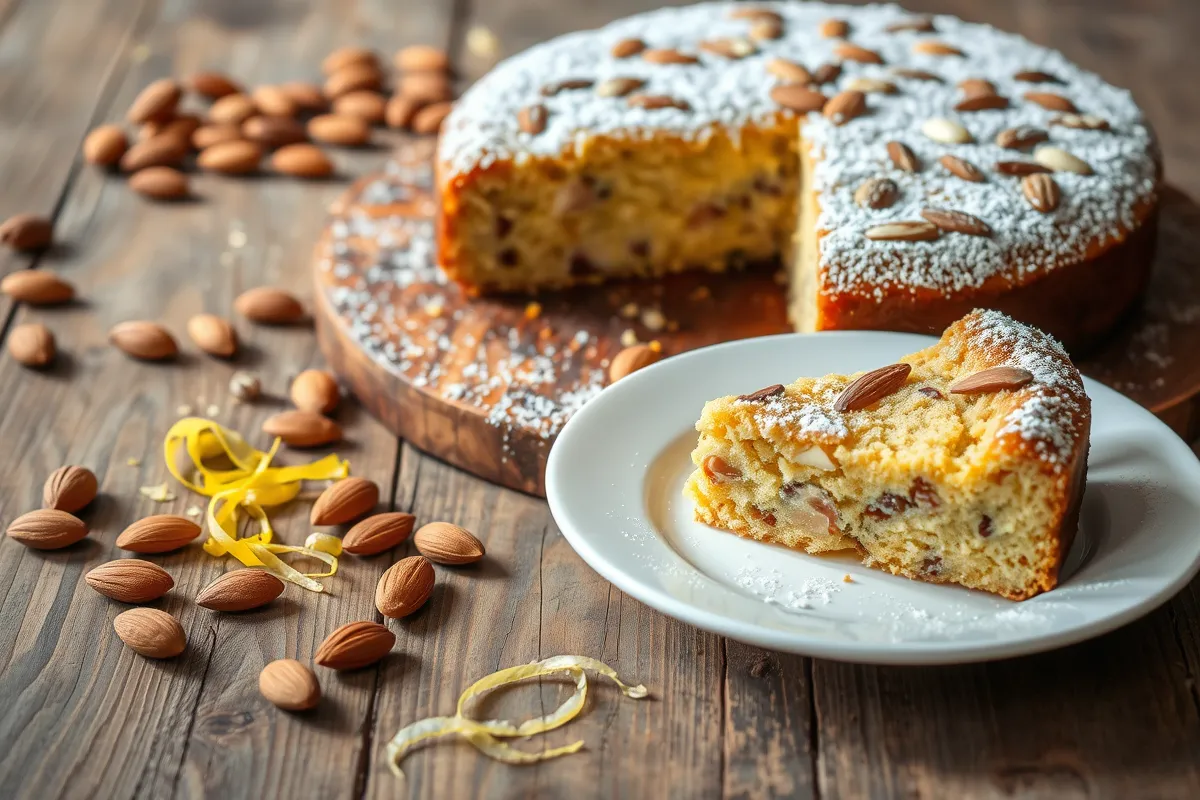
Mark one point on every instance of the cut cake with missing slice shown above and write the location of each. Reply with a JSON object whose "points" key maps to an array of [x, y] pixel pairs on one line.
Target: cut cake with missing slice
{"points": [[965, 463]]}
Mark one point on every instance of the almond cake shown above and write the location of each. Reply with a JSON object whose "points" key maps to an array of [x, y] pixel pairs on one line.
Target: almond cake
{"points": [[964, 463], [905, 168]]}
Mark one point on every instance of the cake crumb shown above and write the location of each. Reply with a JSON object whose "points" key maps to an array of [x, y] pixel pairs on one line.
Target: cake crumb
{"points": [[194, 511], [159, 494], [133, 462], [847, 579]]}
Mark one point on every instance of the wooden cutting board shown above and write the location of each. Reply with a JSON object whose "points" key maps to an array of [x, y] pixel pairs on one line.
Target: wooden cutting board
{"points": [[486, 383]]}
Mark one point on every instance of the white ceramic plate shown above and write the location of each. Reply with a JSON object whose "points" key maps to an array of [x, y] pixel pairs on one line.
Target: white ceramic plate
{"points": [[615, 477]]}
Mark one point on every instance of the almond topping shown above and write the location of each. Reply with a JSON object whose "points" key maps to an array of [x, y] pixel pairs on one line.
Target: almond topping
{"points": [[903, 157], [870, 85], [918, 24], [845, 106], [763, 394], [834, 28], [798, 98], [957, 222], [946, 131], [718, 470], [627, 47], [981, 102], [1086, 122], [1041, 191], [1034, 76], [852, 52], [732, 48], [1051, 101], [915, 74], [666, 55], [619, 87], [827, 73], [974, 86], [932, 47], [789, 71], [905, 231], [1021, 137], [571, 84], [756, 14], [876, 193], [1018, 168], [962, 168], [656, 101], [1059, 160], [994, 379], [532, 119], [870, 388], [766, 29]]}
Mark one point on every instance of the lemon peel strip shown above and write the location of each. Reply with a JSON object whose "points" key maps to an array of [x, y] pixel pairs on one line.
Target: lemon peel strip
{"points": [[485, 735], [248, 488]]}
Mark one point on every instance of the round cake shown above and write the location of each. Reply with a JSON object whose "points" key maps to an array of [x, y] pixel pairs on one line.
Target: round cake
{"points": [[905, 169]]}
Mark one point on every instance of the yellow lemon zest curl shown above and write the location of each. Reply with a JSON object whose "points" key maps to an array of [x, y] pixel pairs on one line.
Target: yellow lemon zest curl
{"points": [[250, 486], [486, 735]]}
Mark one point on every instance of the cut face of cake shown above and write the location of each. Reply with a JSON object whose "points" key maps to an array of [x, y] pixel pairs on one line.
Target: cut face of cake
{"points": [[964, 463]]}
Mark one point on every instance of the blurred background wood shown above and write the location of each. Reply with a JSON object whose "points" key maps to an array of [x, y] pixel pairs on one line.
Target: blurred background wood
{"points": [[81, 716]]}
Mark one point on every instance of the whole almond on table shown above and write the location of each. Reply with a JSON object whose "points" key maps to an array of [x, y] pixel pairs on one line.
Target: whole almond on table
{"points": [[346, 56], [345, 501], [269, 304], [378, 533], [37, 287], [426, 87], [214, 335], [274, 131], [421, 58], [240, 590], [273, 101], [872, 387], [26, 232], [306, 96], [315, 390], [352, 78], [32, 345], [158, 151], [232, 109], [213, 85], [444, 543], [404, 587], [340, 129], [302, 428], [150, 632], [355, 645], [160, 533], [144, 340], [181, 127], [105, 145], [289, 685], [47, 529], [214, 133], [630, 360], [156, 102], [238, 157], [364, 103], [160, 183], [130, 580], [302, 161], [70, 488]]}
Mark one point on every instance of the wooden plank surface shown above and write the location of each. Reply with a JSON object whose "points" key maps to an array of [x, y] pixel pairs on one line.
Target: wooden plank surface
{"points": [[82, 716]]}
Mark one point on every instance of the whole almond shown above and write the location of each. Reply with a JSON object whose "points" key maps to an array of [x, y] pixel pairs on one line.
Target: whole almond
{"points": [[532, 119], [655, 101], [1021, 137], [69, 489], [302, 428], [150, 632], [993, 379], [156, 102], [232, 109], [37, 287], [306, 96], [181, 127], [160, 183], [160, 533], [315, 390], [345, 501], [962, 168], [212, 85], [365, 104], [834, 28], [903, 157], [302, 161], [789, 71], [1018, 168], [354, 646], [798, 98], [31, 344], [130, 580], [347, 56], [1035, 76], [618, 87], [1086, 122], [400, 111], [630, 360], [946, 131], [404, 587], [240, 590], [876, 193], [871, 85], [1051, 101], [421, 58], [426, 87], [976, 86], [731, 48], [289, 685], [238, 157], [852, 52], [351, 78], [845, 106], [207, 135], [872, 387], [1059, 160], [273, 101], [214, 335], [273, 131], [765, 29], [429, 119], [930, 47], [105, 145], [903, 231], [378, 533], [827, 73], [1042, 192], [957, 222], [981, 102], [47, 529], [26, 232], [626, 48], [755, 14], [270, 305], [667, 55], [919, 24], [444, 543], [159, 151], [916, 74], [145, 340], [339, 129]]}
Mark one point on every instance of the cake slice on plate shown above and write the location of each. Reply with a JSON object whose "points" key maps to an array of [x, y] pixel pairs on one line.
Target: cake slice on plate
{"points": [[963, 463]]}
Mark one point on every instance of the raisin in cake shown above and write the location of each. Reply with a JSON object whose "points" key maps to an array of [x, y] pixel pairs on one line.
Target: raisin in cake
{"points": [[965, 463], [906, 169]]}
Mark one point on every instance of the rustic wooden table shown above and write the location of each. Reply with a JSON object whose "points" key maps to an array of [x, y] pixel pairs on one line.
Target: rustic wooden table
{"points": [[82, 716]]}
